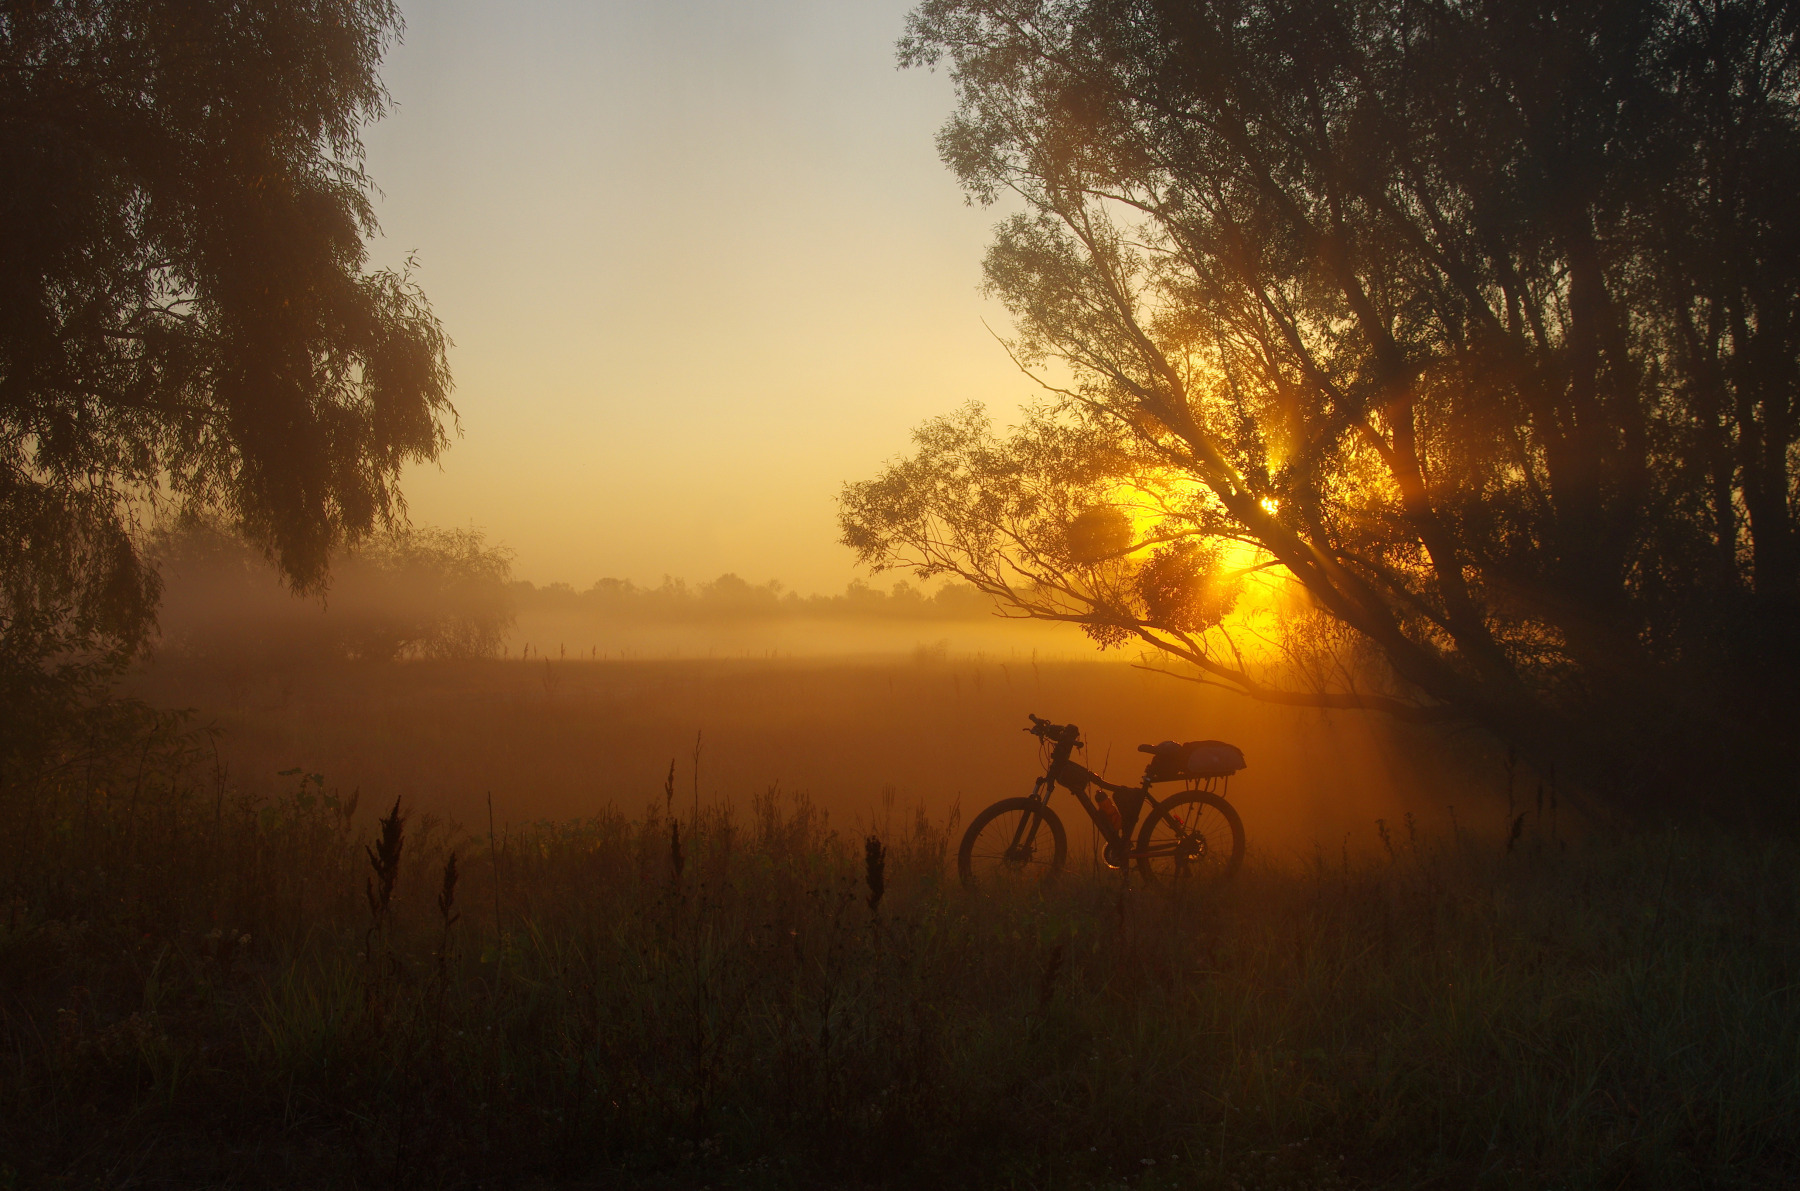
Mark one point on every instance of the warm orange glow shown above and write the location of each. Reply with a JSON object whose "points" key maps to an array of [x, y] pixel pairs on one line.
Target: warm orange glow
{"points": [[1267, 595], [1149, 501]]}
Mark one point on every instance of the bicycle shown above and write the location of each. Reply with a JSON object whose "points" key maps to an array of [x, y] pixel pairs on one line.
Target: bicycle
{"points": [[1191, 839]]}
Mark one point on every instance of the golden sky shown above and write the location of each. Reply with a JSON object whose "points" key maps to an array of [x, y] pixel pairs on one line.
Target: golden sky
{"points": [[701, 265]]}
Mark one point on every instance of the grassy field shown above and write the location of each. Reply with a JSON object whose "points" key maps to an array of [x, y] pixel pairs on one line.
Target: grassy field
{"points": [[203, 986], [564, 739]]}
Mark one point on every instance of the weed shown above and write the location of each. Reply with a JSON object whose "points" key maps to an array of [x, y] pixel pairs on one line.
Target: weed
{"points": [[384, 859], [874, 872]]}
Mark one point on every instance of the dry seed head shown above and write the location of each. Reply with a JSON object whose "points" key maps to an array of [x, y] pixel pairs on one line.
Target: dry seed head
{"points": [[446, 901], [384, 858], [874, 870]]}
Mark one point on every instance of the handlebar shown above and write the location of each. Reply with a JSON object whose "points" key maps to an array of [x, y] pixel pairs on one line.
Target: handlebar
{"points": [[1045, 730]]}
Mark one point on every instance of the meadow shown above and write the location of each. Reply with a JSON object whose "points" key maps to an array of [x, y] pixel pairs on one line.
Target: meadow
{"points": [[920, 727], [209, 982]]}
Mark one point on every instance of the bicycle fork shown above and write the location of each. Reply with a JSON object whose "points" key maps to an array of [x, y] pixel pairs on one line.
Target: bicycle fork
{"points": [[1025, 834]]}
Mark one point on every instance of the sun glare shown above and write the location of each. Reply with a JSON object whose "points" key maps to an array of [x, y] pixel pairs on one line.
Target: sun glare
{"points": [[1265, 594]]}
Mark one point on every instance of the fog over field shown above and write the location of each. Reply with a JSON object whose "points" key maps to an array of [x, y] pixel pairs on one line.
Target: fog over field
{"points": [[865, 737], [425, 674]]}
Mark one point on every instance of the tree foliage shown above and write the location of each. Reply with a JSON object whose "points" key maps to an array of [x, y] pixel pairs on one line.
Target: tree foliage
{"points": [[1476, 321], [186, 317]]}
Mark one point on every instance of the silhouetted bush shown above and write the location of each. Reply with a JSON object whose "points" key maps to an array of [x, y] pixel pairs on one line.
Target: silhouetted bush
{"points": [[412, 593]]}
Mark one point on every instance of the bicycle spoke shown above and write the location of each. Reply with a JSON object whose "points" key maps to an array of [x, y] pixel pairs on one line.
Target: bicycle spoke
{"points": [[1190, 841], [1018, 844]]}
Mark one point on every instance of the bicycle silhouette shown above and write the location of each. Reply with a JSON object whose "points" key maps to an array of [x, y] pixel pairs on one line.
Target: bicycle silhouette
{"points": [[1188, 840]]}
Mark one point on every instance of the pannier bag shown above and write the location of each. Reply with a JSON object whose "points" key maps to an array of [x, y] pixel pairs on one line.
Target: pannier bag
{"points": [[1211, 758], [1195, 758]]}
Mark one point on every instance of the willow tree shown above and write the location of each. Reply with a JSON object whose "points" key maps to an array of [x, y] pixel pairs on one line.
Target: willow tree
{"points": [[187, 320], [1475, 322]]}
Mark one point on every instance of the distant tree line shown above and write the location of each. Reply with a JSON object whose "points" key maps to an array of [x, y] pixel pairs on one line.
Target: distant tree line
{"points": [[731, 597], [423, 593]]}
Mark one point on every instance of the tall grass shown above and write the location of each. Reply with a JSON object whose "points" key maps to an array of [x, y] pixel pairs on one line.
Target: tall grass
{"points": [[204, 988]]}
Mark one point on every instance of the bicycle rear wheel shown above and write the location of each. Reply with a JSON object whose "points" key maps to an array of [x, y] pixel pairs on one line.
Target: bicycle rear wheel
{"points": [[1018, 843], [1190, 841]]}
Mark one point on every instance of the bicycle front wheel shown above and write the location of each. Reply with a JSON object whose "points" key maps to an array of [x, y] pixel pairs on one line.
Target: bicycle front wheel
{"points": [[1190, 841], [1018, 843]]}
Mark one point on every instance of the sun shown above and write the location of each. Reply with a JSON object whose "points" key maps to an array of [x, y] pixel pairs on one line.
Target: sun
{"points": [[1269, 504]]}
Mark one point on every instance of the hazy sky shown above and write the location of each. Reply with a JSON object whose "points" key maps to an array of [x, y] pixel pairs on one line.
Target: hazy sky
{"points": [[701, 265]]}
